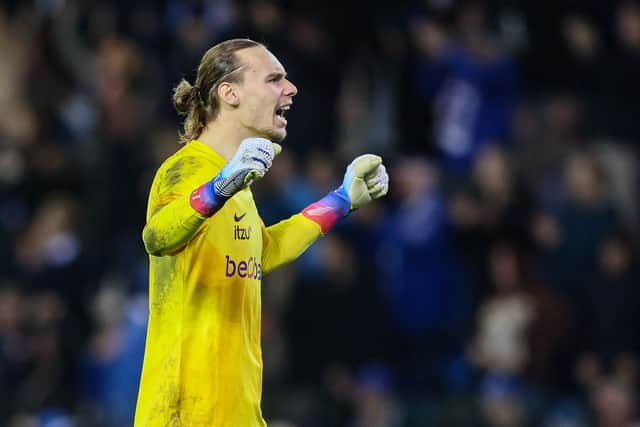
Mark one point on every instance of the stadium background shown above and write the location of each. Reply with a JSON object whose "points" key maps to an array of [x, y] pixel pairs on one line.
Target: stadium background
{"points": [[497, 284]]}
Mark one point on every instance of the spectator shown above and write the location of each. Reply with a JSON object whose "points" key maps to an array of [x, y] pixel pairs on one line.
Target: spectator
{"points": [[493, 205], [610, 315], [613, 405], [513, 337], [424, 287], [473, 87], [570, 252]]}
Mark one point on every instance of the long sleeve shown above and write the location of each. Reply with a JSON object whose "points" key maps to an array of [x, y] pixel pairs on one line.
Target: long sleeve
{"points": [[171, 220], [287, 240], [172, 227]]}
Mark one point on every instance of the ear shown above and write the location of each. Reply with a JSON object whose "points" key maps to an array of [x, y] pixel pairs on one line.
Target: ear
{"points": [[228, 93]]}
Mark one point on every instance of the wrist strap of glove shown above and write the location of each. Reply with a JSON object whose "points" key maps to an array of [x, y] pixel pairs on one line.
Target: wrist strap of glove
{"points": [[205, 201], [328, 210]]}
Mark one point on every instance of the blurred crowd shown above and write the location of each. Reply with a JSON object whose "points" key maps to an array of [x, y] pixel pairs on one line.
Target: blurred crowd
{"points": [[494, 287]]}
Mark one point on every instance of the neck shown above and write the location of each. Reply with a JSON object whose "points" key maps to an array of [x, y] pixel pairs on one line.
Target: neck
{"points": [[224, 135], [223, 139]]}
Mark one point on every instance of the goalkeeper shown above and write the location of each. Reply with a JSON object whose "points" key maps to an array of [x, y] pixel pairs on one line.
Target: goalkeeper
{"points": [[209, 248]]}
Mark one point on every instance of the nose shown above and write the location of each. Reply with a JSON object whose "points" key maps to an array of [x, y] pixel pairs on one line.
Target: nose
{"points": [[290, 89]]}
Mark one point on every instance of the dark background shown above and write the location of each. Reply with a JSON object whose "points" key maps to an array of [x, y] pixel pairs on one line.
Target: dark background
{"points": [[496, 284]]}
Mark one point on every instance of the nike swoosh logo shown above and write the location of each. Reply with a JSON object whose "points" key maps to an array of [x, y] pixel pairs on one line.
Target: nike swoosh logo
{"points": [[238, 218]]}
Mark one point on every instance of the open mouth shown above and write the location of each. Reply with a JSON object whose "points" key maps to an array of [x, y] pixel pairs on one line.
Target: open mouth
{"points": [[280, 112]]}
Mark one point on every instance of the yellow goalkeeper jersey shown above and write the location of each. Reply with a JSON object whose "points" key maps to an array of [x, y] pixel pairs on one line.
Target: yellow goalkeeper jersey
{"points": [[203, 361]]}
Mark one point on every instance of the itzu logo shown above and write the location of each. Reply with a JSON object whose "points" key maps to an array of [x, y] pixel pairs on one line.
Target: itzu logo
{"points": [[249, 268], [241, 233]]}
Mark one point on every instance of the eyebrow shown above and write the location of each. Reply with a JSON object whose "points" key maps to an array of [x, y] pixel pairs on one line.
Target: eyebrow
{"points": [[276, 74]]}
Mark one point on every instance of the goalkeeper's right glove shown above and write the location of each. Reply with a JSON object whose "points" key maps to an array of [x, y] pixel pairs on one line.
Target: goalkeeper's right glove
{"points": [[251, 161], [366, 179]]}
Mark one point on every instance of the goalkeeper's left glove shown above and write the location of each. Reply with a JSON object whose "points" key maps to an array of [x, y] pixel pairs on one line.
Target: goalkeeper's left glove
{"points": [[365, 180]]}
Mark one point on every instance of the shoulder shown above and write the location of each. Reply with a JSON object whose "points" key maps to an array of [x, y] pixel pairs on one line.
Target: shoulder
{"points": [[186, 166]]}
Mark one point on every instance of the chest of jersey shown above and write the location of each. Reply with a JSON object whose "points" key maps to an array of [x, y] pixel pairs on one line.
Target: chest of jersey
{"points": [[231, 241]]}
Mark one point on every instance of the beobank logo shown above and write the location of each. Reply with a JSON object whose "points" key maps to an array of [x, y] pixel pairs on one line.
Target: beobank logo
{"points": [[249, 269]]}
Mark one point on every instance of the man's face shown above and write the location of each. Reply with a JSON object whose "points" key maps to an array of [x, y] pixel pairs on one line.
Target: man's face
{"points": [[265, 94]]}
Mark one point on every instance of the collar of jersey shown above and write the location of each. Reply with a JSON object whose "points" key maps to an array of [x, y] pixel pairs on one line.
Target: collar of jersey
{"points": [[208, 151]]}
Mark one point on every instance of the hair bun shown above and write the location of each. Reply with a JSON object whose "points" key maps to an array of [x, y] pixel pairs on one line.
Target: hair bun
{"points": [[182, 96]]}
